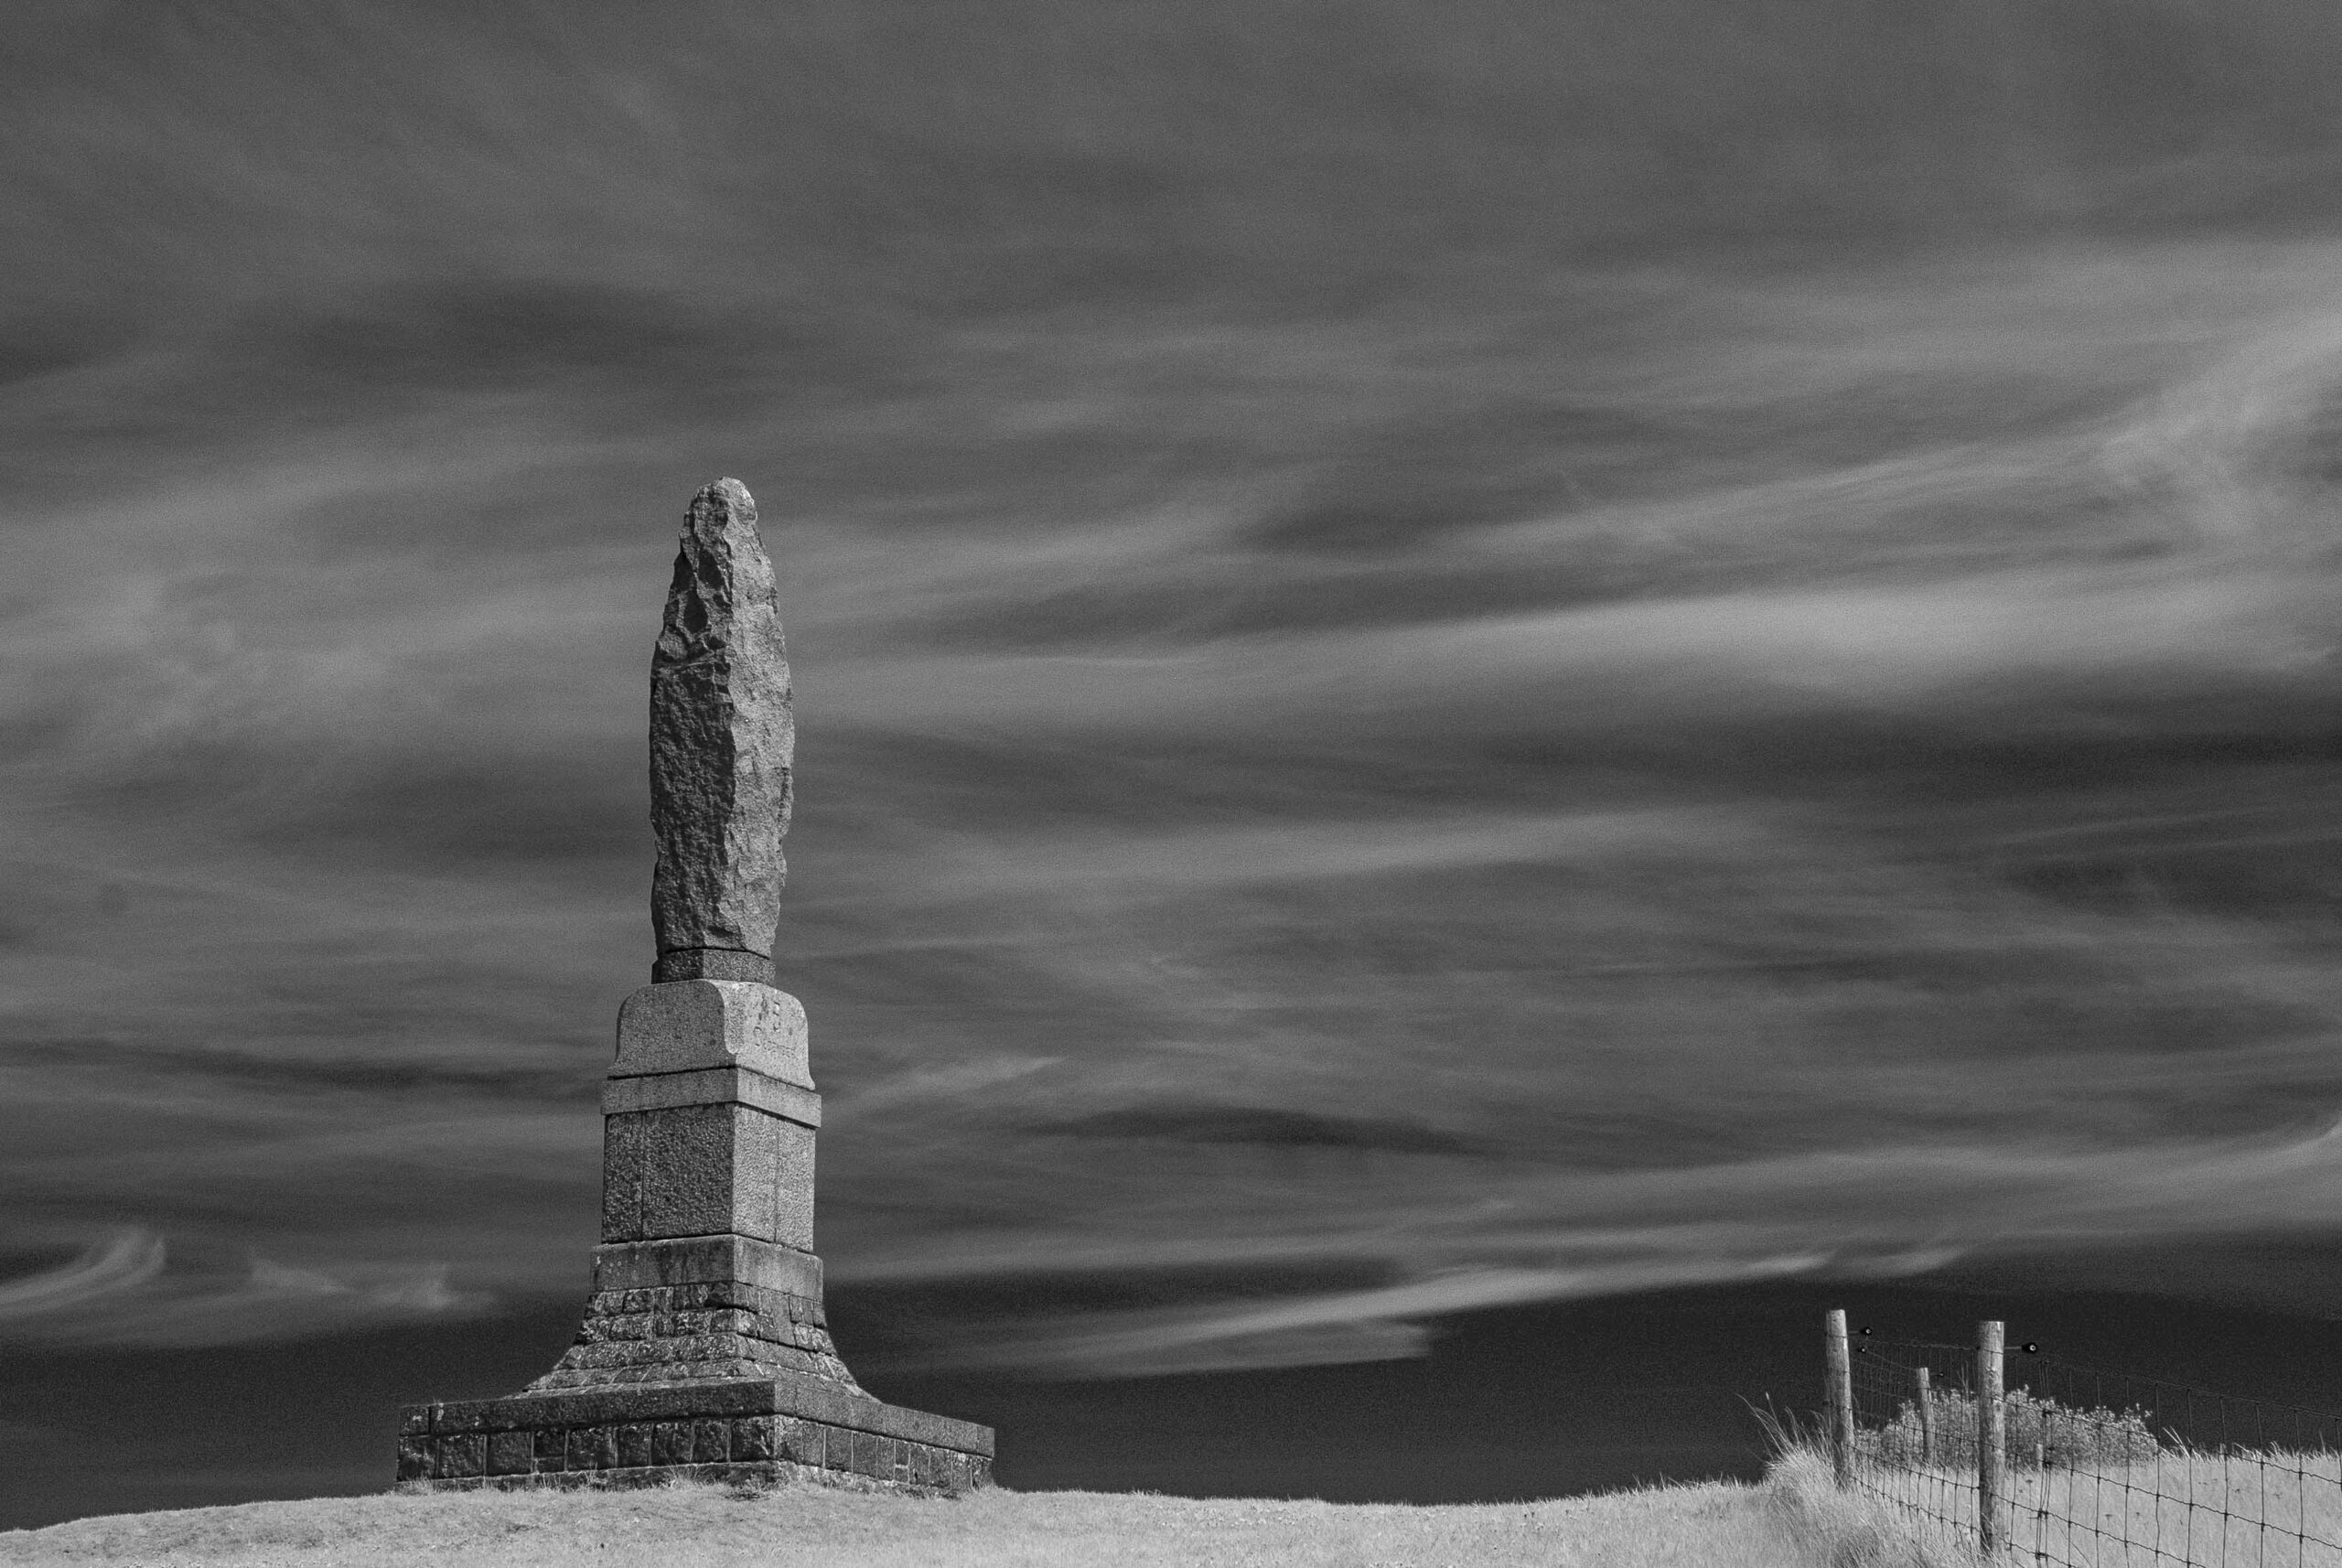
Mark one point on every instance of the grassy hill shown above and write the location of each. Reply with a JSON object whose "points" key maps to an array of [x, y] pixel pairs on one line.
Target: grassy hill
{"points": [[1783, 1523]]}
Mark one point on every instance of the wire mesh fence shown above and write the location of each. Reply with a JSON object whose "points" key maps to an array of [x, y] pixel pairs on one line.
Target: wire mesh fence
{"points": [[2087, 1467], [1915, 1432]]}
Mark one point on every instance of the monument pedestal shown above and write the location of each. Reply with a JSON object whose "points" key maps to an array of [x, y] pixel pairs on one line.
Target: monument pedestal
{"points": [[704, 1351], [776, 1429]]}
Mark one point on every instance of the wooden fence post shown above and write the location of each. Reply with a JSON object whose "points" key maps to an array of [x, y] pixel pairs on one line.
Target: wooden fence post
{"points": [[1991, 1439], [1926, 1420], [1842, 1398]]}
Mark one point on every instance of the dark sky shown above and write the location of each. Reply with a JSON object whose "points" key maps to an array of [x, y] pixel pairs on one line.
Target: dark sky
{"points": [[1454, 661]]}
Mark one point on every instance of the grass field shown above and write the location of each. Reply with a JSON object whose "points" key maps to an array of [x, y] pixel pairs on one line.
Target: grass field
{"points": [[2177, 1511], [1698, 1526]]}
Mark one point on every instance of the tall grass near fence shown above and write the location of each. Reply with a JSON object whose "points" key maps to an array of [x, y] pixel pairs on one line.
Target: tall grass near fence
{"points": [[2096, 1468]]}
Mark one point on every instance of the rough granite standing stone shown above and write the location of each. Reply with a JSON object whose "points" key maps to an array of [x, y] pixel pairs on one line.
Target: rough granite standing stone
{"points": [[721, 747], [704, 1350]]}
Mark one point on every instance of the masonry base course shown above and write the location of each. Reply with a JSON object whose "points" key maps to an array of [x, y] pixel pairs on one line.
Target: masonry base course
{"points": [[762, 1431]]}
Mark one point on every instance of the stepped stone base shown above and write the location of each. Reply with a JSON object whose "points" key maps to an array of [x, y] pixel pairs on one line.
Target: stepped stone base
{"points": [[704, 1351], [770, 1430], [718, 1331]]}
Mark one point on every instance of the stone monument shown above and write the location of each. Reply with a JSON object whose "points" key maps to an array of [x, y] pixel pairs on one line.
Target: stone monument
{"points": [[704, 1350]]}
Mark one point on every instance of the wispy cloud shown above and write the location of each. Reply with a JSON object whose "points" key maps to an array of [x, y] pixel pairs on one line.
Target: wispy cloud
{"points": [[1839, 1214], [1652, 776], [126, 1291], [123, 1261]]}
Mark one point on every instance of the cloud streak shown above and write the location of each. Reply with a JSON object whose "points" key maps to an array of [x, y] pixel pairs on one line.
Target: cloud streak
{"points": [[125, 1290], [1842, 1214], [123, 1261]]}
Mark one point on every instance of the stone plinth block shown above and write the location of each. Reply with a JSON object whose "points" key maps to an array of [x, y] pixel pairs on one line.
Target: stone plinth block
{"points": [[689, 1024], [701, 1170], [722, 748], [773, 1429]]}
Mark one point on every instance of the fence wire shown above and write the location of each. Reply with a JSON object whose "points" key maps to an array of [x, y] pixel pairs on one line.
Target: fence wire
{"points": [[1914, 1438], [2103, 1469]]}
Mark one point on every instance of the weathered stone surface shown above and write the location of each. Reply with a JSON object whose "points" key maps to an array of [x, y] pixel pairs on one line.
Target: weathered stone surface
{"points": [[512, 1453], [684, 1025], [701, 1170], [743, 1422], [722, 749], [781, 1393], [695, 1334], [767, 1430], [712, 963], [671, 1443], [711, 1441], [714, 1306]]}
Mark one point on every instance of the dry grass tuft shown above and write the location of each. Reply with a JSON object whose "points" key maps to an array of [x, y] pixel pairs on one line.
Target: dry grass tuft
{"points": [[1846, 1530]]}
